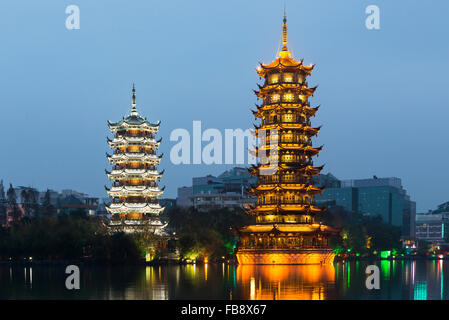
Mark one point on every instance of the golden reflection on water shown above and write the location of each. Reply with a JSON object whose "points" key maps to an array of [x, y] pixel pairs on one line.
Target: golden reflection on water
{"points": [[285, 282]]}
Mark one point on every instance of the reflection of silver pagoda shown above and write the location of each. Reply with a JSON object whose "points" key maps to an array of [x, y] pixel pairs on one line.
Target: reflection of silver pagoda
{"points": [[134, 192]]}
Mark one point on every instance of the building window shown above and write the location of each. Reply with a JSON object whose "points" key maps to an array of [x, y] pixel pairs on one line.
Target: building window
{"points": [[287, 117], [274, 78], [288, 77], [289, 97]]}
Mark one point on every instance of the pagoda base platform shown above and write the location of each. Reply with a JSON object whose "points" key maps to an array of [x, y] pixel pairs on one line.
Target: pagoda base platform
{"points": [[285, 256]]}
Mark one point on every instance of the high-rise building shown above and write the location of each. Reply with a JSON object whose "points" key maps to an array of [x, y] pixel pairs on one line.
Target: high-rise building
{"points": [[384, 197], [184, 198], [286, 231], [227, 190], [134, 192], [433, 226]]}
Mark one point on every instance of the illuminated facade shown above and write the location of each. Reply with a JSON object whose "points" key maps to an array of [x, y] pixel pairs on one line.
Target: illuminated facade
{"points": [[134, 192], [285, 231]]}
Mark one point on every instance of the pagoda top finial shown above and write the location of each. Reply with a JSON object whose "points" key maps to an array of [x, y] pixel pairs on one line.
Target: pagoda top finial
{"points": [[284, 32], [284, 51], [134, 110]]}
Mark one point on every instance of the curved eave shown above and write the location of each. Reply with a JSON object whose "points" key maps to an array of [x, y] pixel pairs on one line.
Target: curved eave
{"points": [[289, 187], [127, 122], [283, 63], [291, 126], [117, 175], [288, 228]]}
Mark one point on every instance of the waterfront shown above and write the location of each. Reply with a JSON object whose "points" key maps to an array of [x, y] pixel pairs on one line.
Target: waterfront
{"points": [[415, 280]]}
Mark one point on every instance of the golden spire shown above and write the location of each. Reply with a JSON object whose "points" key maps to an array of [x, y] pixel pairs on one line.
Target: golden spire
{"points": [[284, 32], [284, 51], [134, 110]]}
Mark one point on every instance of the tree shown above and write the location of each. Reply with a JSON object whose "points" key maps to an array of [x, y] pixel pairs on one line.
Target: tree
{"points": [[12, 203], [25, 197], [33, 196], [46, 204], [2, 191], [11, 194]]}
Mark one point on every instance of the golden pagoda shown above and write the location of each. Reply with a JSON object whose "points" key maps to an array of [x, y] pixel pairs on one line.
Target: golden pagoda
{"points": [[134, 192], [285, 231]]}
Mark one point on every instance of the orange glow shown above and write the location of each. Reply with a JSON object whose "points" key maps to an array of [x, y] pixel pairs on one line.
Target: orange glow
{"points": [[281, 282], [286, 232], [286, 257]]}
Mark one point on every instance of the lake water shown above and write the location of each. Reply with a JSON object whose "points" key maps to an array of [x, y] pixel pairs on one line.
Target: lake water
{"points": [[399, 280]]}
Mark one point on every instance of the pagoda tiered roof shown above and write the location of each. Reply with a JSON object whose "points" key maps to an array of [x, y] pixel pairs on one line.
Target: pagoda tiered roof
{"points": [[127, 172], [125, 207], [297, 147], [285, 106], [299, 209], [126, 140], [134, 156], [286, 228], [283, 186], [264, 92], [309, 169], [288, 125], [131, 121]]}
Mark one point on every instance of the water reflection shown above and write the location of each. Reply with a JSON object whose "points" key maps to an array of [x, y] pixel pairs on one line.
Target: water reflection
{"points": [[282, 282], [398, 280]]}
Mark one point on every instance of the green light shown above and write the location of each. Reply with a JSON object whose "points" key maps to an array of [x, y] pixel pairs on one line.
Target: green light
{"points": [[385, 254], [420, 290]]}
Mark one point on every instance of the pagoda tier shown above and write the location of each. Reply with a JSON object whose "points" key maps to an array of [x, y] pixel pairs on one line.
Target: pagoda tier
{"points": [[135, 191], [286, 231]]}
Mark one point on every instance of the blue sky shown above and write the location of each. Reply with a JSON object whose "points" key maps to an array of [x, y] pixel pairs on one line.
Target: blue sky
{"points": [[383, 92]]}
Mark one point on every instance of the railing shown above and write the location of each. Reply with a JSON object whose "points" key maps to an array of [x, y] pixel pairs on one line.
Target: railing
{"points": [[285, 247], [280, 121], [117, 151], [283, 202], [137, 168], [276, 181], [138, 135], [134, 185]]}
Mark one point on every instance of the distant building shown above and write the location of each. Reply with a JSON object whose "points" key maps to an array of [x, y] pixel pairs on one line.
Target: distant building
{"points": [[167, 203], [14, 215], [228, 190], [30, 200], [72, 203], [70, 192], [184, 198], [384, 197], [433, 226], [54, 196]]}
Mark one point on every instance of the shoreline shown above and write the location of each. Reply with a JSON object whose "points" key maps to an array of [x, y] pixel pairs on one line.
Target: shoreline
{"points": [[88, 262]]}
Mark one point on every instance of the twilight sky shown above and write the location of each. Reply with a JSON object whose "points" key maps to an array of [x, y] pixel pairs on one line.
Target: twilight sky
{"points": [[383, 93]]}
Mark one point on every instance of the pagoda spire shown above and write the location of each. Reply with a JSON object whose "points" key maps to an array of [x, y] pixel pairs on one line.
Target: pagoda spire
{"points": [[284, 31], [134, 110], [284, 51]]}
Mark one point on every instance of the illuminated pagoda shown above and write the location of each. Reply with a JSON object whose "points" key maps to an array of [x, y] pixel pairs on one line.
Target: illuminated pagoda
{"points": [[134, 192], [285, 231]]}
